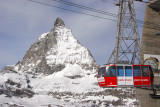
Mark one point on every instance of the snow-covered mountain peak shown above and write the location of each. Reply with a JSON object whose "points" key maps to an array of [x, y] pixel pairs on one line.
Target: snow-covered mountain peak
{"points": [[68, 50], [54, 50], [59, 22]]}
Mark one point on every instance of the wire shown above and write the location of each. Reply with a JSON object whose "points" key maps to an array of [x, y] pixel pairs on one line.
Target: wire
{"points": [[151, 25], [85, 7], [114, 4], [108, 2], [146, 2], [148, 23], [71, 10], [99, 11]]}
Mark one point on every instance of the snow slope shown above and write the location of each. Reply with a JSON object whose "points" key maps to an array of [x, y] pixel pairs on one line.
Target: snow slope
{"points": [[73, 86], [63, 81]]}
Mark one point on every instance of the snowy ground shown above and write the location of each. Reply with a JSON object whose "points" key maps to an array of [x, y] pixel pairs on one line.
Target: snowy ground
{"points": [[70, 87], [37, 101]]}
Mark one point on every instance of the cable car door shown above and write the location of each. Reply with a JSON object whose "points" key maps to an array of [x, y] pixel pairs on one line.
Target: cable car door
{"points": [[128, 75], [100, 76], [110, 76], [120, 76], [137, 76], [145, 76]]}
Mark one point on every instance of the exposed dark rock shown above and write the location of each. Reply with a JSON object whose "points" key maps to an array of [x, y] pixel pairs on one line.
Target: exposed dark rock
{"points": [[37, 52], [59, 22], [8, 69], [1, 92], [11, 88], [10, 82], [74, 77], [22, 92], [121, 94]]}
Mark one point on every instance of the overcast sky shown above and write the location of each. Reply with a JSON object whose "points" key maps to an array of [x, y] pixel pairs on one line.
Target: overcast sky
{"points": [[22, 22]]}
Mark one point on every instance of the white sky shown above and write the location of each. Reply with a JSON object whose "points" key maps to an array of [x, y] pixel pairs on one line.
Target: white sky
{"points": [[22, 22]]}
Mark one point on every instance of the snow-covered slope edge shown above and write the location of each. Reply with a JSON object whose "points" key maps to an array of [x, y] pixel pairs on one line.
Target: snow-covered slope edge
{"points": [[15, 84], [73, 86]]}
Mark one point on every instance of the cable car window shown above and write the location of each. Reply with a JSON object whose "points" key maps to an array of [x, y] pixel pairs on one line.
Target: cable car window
{"points": [[120, 71], [144, 70], [137, 71], [128, 70], [101, 71], [110, 72], [151, 72]]}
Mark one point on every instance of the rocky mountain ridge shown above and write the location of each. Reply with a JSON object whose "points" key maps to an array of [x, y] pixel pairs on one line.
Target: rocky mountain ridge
{"points": [[53, 50]]}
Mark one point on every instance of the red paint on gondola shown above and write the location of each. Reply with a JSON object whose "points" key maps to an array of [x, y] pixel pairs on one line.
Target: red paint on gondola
{"points": [[118, 75]]}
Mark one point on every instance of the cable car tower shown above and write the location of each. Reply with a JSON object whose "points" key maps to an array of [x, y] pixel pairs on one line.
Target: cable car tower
{"points": [[127, 47]]}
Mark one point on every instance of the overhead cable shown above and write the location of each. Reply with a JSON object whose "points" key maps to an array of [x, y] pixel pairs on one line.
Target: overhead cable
{"points": [[102, 12], [71, 10], [115, 4], [151, 25], [86, 8]]}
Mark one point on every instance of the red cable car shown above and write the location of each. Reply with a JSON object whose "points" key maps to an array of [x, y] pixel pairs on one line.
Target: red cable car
{"points": [[120, 75]]}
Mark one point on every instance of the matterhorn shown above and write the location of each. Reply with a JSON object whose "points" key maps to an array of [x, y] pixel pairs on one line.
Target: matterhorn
{"points": [[54, 50]]}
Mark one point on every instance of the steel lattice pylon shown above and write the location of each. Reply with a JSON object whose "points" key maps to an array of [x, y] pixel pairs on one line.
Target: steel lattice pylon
{"points": [[127, 48]]}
